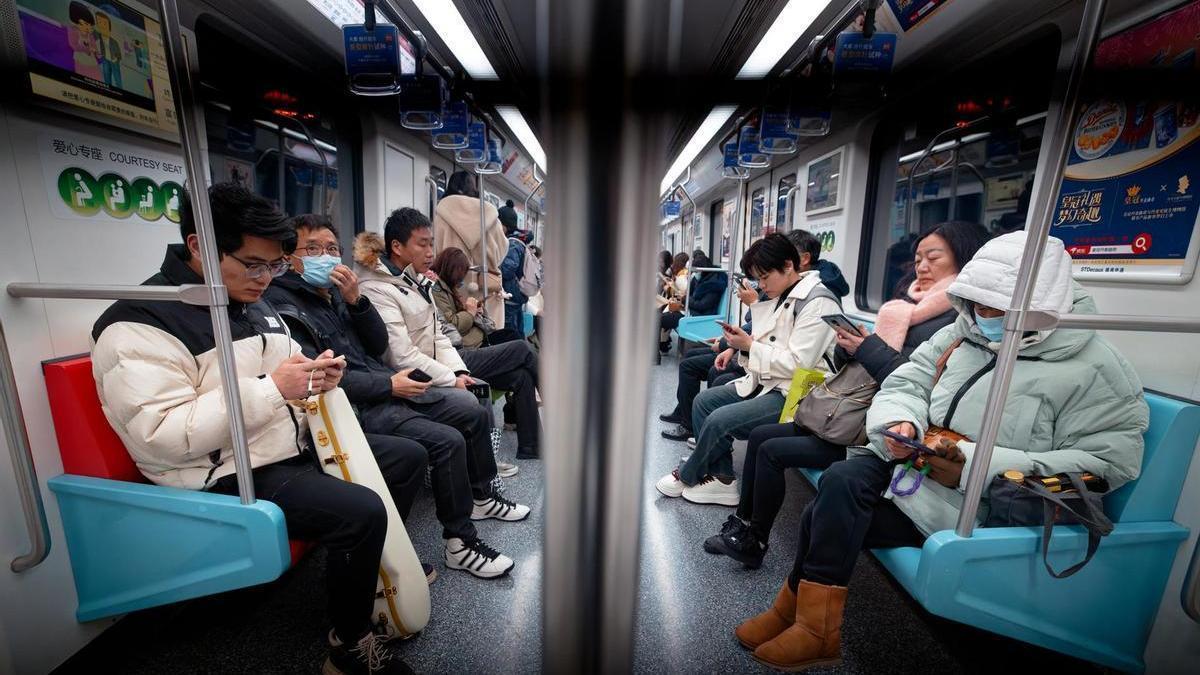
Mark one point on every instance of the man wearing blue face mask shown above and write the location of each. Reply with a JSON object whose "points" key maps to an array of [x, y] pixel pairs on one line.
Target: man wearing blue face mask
{"points": [[320, 301]]}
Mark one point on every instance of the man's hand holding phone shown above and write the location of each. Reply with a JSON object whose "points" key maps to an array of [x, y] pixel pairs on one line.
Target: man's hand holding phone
{"points": [[735, 337], [405, 386]]}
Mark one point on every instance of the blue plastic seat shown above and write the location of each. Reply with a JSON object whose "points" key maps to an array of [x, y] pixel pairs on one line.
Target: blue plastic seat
{"points": [[527, 323], [995, 579], [701, 328]]}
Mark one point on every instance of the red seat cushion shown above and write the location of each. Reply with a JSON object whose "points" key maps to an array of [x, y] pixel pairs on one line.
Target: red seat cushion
{"points": [[86, 441], [88, 445]]}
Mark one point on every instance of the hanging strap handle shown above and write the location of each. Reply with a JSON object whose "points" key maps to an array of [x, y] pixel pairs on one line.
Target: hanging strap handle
{"points": [[1098, 525]]}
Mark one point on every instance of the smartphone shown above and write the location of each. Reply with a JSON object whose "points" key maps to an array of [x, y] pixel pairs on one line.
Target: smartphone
{"points": [[418, 375], [842, 321], [482, 390], [907, 442], [725, 326]]}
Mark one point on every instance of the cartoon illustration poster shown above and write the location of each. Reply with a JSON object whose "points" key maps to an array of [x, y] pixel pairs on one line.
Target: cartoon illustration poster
{"points": [[1127, 206], [101, 56]]}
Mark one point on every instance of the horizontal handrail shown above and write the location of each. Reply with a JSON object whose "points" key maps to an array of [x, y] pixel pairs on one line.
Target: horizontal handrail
{"points": [[708, 269], [24, 470], [1039, 320], [191, 294]]}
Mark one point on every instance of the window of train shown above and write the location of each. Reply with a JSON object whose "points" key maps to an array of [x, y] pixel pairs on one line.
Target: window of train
{"points": [[758, 204], [267, 125], [983, 177], [687, 217], [781, 215]]}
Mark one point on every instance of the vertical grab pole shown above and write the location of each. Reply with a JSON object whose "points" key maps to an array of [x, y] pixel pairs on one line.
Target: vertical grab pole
{"points": [[790, 205], [181, 83], [1057, 145], [483, 267], [29, 490], [735, 233]]}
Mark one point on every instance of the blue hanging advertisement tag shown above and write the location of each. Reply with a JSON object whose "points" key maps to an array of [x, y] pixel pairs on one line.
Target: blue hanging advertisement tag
{"points": [[455, 122], [749, 154], [774, 136], [729, 166], [372, 58], [476, 150], [857, 54]]}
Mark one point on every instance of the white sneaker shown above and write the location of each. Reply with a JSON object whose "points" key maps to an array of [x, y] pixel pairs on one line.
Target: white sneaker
{"points": [[498, 507], [477, 558], [506, 470], [669, 485], [692, 442], [712, 491]]}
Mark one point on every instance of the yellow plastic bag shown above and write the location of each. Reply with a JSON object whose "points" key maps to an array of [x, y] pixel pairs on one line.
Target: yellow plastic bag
{"points": [[803, 381]]}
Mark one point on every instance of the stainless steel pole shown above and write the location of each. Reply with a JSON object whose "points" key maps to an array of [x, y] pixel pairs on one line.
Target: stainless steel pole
{"points": [[432, 184], [1054, 152], [790, 205], [483, 266], [181, 83], [29, 489], [691, 201], [734, 240], [605, 140], [954, 182], [192, 294]]}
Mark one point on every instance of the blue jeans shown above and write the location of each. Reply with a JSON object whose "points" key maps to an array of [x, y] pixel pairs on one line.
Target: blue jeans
{"points": [[514, 317], [721, 416]]}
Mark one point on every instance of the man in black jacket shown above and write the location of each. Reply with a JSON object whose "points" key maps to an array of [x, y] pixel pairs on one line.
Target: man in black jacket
{"points": [[320, 301]]}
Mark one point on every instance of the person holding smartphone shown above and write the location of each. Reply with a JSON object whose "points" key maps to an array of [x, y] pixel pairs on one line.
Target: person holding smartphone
{"points": [[901, 326], [788, 334]]}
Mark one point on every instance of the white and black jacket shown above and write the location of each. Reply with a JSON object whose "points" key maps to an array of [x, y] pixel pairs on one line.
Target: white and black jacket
{"points": [[156, 370]]}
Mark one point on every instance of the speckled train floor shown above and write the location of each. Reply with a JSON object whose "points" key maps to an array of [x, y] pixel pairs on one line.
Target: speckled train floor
{"points": [[688, 602]]}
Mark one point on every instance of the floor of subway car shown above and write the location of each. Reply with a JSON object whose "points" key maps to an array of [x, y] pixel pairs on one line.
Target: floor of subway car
{"points": [[688, 602]]}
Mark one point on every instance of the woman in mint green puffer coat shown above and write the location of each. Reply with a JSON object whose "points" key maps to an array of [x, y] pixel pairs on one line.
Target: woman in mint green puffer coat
{"points": [[1075, 404]]}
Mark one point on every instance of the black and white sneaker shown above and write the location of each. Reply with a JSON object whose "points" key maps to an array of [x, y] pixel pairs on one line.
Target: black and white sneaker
{"points": [[679, 433], [732, 525], [369, 656], [499, 507], [743, 546], [477, 558], [672, 418], [430, 573]]}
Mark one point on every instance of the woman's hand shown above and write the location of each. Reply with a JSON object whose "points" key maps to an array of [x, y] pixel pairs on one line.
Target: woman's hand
{"points": [[737, 338], [472, 304], [723, 359], [674, 306], [849, 341], [898, 450]]}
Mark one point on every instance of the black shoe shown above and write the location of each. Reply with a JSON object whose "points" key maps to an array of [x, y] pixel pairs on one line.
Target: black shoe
{"points": [[430, 573], [664, 347], [742, 546], [732, 524], [672, 418], [528, 453], [679, 433], [370, 656]]}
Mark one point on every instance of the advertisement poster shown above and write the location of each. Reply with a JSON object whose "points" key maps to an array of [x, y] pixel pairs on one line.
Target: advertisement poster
{"points": [[823, 193], [1127, 208], [910, 13], [242, 173], [103, 57], [93, 178]]}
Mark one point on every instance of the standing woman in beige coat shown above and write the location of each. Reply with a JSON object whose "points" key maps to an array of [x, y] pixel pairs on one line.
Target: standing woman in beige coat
{"points": [[456, 225]]}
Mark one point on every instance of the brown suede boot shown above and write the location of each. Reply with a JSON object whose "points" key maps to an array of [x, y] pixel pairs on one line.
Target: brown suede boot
{"points": [[815, 639], [769, 624]]}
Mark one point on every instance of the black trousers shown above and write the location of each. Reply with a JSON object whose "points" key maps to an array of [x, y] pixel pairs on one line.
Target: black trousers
{"points": [[772, 448], [349, 520], [512, 366], [696, 367], [670, 320], [461, 465], [849, 514]]}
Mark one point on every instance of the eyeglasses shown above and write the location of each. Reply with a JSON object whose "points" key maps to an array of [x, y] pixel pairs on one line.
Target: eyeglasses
{"points": [[254, 270], [316, 249]]}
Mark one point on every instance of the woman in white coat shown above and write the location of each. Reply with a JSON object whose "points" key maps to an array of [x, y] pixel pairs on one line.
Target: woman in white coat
{"points": [[456, 225], [788, 334]]}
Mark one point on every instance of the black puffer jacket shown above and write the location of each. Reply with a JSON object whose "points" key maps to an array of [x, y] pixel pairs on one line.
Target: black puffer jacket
{"points": [[355, 331], [880, 359]]}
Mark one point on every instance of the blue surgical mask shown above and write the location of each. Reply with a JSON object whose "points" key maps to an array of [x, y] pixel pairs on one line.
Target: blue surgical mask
{"points": [[317, 269], [991, 328]]}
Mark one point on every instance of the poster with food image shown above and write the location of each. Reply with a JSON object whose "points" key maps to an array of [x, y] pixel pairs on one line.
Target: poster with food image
{"points": [[102, 56], [1127, 206]]}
